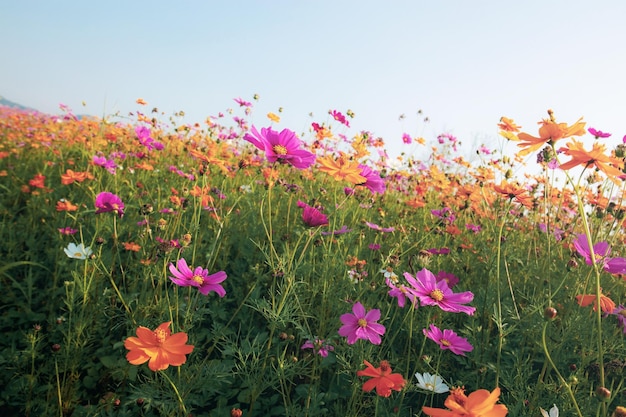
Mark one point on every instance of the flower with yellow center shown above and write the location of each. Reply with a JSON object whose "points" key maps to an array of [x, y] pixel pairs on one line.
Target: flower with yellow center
{"points": [[159, 348]]}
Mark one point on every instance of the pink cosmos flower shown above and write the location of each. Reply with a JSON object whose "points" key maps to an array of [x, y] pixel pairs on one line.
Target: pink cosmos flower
{"points": [[406, 138], [339, 117], [432, 292], [598, 133], [373, 181], [107, 164], [311, 216], [448, 340], [379, 228], [601, 251], [67, 230], [401, 292], [450, 279], [319, 345], [199, 278], [242, 102], [106, 202], [283, 147], [344, 229], [361, 325], [145, 138], [620, 313]]}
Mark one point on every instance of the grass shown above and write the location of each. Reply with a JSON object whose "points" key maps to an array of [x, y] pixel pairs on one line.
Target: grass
{"points": [[213, 199]]}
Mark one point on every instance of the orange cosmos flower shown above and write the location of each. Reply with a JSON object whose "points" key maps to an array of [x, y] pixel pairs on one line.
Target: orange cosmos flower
{"points": [[159, 347], [382, 379], [273, 117], [549, 132], [480, 403], [508, 125], [342, 168], [66, 205], [514, 192], [141, 102], [70, 177], [610, 165], [606, 304], [132, 246], [38, 181]]}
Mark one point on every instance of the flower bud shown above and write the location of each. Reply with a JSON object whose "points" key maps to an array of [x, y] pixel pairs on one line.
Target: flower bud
{"points": [[550, 313], [236, 412], [603, 393]]}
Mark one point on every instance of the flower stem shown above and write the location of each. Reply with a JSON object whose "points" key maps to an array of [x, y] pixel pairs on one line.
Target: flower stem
{"points": [[180, 399], [563, 381]]}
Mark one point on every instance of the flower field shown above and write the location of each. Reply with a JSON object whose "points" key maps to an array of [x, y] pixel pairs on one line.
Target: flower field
{"points": [[152, 267]]}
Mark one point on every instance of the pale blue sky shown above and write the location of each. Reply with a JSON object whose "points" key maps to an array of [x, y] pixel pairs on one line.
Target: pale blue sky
{"points": [[464, 63]]}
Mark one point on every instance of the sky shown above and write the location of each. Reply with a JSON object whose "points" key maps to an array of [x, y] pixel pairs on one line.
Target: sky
{"points": [[463, 63]]}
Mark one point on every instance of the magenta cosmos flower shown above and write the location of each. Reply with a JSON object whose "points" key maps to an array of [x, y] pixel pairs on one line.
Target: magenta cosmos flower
{"points": [[601, 252], [432, 292], [198, 278], [448, 340], [361, 325], [598, 133], [311, 216], [320, 346], [106, 202], [282, 147], [401, 292], [373, 181]]}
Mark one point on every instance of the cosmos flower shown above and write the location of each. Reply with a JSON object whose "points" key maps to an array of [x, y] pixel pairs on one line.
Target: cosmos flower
{"points": [[448, 340], [480, 403], [432, 292], [159, 348], [79, 251], [596, 157], [361, 325], [401, 292], [373, 181], [342, 168], [382, 379], [432, 383], [601, 252], [339, 117], [282, 147], [549, 132], [554, 411], [606, 304], [320, 346], [311, 216], [598, 133], [106, 202], [199, 278], [379, 228], [620, 313]]}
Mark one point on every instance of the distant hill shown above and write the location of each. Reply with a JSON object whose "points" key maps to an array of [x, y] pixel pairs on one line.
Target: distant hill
{"points": [[14, 105]]}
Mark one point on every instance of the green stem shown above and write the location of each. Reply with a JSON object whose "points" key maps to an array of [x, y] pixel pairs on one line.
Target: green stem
{"points": [[180, 399], [563, 381]]}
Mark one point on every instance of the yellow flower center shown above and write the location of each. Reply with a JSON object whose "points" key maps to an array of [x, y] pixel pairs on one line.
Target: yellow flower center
{"points": [[198, 279], [160, 335], [78, 255], [436, 295], [362, 323], [279, 150], [445, 342], [622, 312]]}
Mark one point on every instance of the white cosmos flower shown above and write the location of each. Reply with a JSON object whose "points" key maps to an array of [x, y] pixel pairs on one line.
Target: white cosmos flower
{"points": [[79, 251], [554, 411], [432, 383]]}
